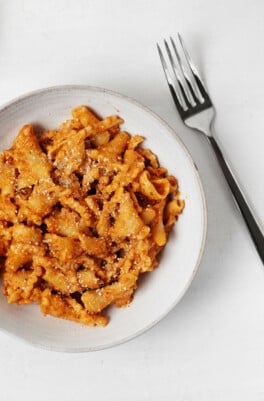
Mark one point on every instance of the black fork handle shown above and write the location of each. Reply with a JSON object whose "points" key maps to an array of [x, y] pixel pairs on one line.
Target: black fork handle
{"points": [[250, 220]]}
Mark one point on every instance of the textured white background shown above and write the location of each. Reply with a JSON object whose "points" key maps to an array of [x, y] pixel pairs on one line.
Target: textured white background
{"points": [[211, 346]]}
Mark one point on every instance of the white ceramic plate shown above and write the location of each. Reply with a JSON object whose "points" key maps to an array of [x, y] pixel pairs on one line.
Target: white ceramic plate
{"points": [[160, 290]]}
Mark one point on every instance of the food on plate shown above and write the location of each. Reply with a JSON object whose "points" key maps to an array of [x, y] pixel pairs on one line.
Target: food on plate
{"points": [[84, 210]]}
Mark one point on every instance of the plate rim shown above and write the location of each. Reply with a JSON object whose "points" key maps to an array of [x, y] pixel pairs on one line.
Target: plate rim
{"points": [[174, 135]]}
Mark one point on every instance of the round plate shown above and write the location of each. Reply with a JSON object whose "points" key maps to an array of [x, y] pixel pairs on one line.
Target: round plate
{"points": [[158, 291]]}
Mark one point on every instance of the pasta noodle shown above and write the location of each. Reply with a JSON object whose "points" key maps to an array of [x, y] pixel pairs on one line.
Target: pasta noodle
{"points": [[84, 210]]}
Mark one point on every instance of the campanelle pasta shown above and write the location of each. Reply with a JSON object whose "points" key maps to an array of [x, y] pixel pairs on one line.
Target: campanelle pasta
{"points": [[84, 210]]}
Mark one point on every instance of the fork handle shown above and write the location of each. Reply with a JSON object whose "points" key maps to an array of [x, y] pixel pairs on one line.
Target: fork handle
{"points": [[244, 208]]}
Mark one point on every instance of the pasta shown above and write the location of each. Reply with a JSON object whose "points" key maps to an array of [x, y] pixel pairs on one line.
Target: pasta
{"points": [[84, 210]]}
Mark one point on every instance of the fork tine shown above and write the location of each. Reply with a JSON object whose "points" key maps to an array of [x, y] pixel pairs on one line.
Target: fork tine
{"points": [[178, 79], [180, 74], [200, 86], [175, 89], [191, 90]]}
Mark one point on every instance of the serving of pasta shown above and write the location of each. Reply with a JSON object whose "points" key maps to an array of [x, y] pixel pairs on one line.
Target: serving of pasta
{"points": [[84, 211]]}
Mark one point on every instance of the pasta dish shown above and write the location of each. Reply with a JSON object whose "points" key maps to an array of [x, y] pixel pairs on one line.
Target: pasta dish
{"points": [[84, 211]]}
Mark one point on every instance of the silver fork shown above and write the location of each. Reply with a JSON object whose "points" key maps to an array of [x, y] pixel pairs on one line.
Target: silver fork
{"points": [[196, 110]]}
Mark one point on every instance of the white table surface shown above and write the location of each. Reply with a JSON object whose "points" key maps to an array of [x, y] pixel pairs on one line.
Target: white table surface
{"points": [[211, 346]]}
